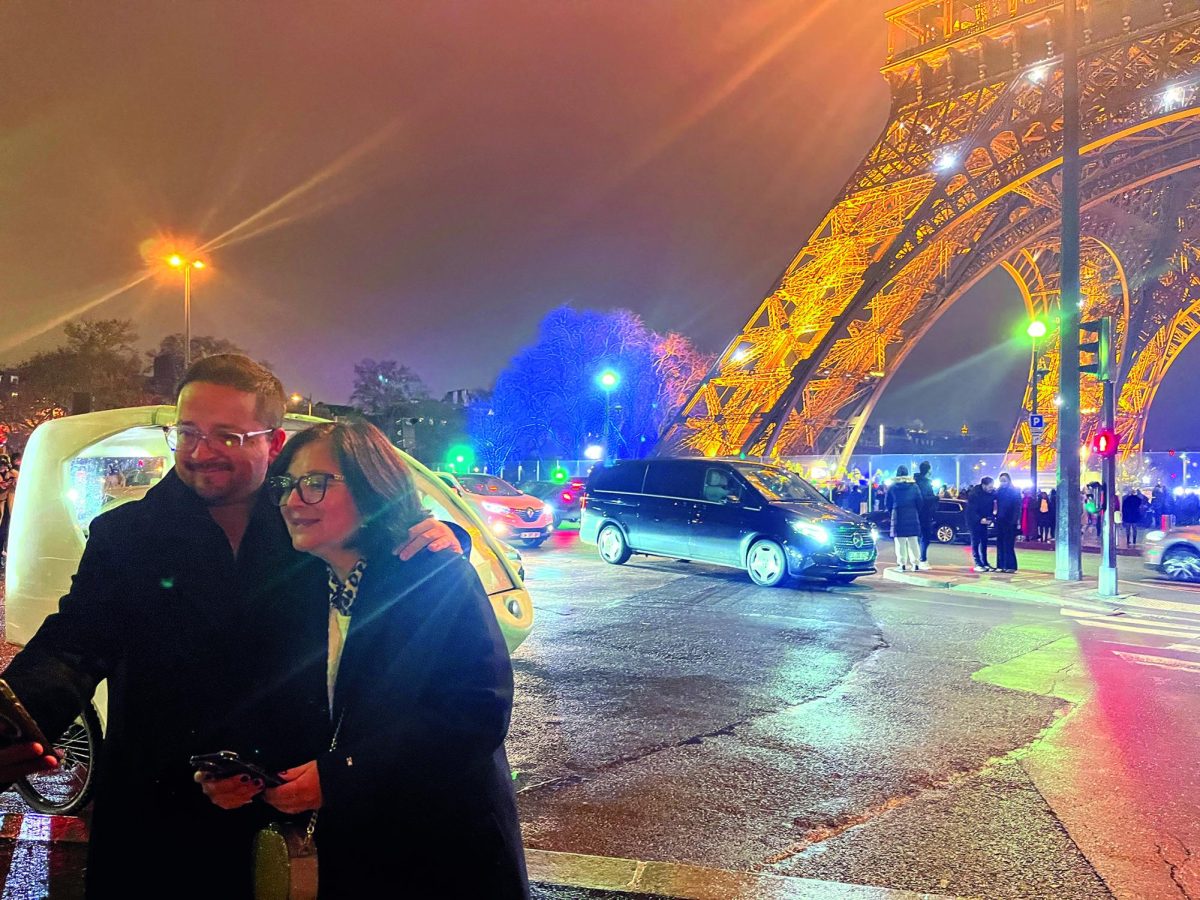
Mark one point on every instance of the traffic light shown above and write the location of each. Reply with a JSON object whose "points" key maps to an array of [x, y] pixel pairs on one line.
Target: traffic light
{"points": [[1099, 344], [1104, 443]]}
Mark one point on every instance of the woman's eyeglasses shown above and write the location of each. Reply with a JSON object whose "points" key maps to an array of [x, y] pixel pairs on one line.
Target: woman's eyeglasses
{"points": [[312, 487]]}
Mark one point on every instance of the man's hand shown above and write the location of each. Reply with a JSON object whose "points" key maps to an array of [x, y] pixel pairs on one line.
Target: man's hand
{"points": [[429, 533], [302, 791], [20, 760], [228, 793]]}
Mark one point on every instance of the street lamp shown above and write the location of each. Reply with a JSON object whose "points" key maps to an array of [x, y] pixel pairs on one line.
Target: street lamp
{"points": [[176, 261], [608, 380], [1036, 329], [299, 398]]}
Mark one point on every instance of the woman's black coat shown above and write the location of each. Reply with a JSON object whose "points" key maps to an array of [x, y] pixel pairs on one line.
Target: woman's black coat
{"points": [[419, 787], [904, 503]]}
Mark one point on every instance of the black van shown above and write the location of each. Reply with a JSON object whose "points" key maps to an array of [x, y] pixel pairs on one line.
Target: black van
{"points": [[761, 518]]}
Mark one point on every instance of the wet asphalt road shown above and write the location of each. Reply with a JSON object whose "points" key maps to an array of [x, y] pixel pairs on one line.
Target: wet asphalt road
{"points": [[876, 734]]}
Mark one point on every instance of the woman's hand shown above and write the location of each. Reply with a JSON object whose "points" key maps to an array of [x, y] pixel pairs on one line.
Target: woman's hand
{"points": [[302, 791], [432, 534], [228, 793]]}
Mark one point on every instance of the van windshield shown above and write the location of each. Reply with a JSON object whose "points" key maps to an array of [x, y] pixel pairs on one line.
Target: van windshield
{"points": [[780, 485]]}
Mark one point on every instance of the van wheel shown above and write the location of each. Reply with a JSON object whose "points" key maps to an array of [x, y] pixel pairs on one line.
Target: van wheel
{"points": [[67, 789], [945, 534], [766, 564], [1181, 564], [613, 547]]}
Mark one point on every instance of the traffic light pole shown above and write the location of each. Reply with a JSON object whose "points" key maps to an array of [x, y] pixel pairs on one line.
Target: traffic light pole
{"points": [[1108, 539], [1068, 542]]}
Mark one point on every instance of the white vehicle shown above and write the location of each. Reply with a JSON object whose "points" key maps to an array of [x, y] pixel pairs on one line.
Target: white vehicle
{"points": [[79, 466]]}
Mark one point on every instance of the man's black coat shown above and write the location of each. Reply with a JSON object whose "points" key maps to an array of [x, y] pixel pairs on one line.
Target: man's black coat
{"points": [[162, 609], [419, 785]]}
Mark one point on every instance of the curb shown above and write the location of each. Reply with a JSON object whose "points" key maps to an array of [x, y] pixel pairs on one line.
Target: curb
{"points": [[681, 881]]}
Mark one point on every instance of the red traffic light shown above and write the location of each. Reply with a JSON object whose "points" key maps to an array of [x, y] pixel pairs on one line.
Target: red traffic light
{"points": [[1104, 443]]}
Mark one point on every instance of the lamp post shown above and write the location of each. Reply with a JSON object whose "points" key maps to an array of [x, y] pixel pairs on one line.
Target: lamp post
{"points": [[608, 380], [176, 261], [1036, 329]]}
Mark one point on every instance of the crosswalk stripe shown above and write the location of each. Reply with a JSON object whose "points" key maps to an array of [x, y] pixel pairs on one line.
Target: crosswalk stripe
{"points": [[1159, 662]]}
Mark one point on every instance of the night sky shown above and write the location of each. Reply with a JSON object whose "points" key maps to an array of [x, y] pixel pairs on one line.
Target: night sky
{"points": [[426, 180]]}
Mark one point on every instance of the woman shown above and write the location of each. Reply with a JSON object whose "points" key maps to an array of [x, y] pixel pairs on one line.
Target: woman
{"points": [[904, 503], [1045, 517], [418, 683]]}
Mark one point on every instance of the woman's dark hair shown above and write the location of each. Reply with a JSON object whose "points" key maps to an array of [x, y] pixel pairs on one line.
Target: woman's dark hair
{"points": [[378, 480], [901, 471]]}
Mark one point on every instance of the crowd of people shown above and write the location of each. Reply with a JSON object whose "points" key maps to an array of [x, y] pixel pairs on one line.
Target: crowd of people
{"points": [[996, 507]]}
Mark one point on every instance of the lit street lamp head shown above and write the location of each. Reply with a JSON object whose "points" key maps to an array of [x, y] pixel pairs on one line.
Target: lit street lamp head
{"points": [[1036, 329], [609, 379]]}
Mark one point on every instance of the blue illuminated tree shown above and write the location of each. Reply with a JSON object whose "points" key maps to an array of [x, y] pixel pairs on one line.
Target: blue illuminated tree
{"points": [[548, 403]]}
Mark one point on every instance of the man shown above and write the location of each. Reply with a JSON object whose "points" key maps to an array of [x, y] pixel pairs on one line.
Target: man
{"points": [[981, 502], [1008, 523], [1131, 515], [173, 628], [928, 510]]}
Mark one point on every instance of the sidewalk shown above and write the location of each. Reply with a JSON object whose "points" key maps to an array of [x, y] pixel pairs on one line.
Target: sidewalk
{"points": [[1033, 587]]}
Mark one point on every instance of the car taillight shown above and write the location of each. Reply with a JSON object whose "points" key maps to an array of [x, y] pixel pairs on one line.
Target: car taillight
{"points": [[567, 497]]}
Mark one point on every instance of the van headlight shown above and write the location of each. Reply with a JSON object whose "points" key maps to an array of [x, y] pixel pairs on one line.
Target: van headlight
{"points": [[1155, 536], [875, 534], [817, 533]]}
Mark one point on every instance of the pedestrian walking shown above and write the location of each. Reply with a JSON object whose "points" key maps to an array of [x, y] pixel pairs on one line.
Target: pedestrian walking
{"points": [[175, 628], [1008, 521], [904, 503], [928, 508], [1045, 517], [981, 512], [1131, 516]]}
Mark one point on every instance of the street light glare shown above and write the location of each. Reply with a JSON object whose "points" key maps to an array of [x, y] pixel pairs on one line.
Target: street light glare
{"points": [[175, 260], [1036, 329], [609, 379], [197, 264]]}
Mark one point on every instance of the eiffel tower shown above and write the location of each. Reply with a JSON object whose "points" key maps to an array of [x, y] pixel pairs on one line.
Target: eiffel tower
{"points": [[964, 178]]}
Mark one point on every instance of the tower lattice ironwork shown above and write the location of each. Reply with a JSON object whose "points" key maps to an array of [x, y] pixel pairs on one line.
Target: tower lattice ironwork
{"points": [[964, 178]]}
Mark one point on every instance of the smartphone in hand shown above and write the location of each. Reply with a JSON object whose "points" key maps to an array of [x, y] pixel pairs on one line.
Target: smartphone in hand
{"points": [[227, 764], [16, 725]]}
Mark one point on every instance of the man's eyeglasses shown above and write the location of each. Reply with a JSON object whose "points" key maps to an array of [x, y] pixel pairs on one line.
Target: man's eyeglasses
{"points": [[186, 437], [312, 487]]}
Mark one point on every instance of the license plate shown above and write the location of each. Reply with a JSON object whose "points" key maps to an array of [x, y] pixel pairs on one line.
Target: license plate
{"points": [[858, 555], [530, 534]]}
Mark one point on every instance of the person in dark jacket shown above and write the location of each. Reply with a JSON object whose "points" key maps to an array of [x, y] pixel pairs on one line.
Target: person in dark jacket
{"points": [[418, 682], [171, 627], [1008, 523], [981, 503], [1131, 515], [929, 502], [904, 503]]}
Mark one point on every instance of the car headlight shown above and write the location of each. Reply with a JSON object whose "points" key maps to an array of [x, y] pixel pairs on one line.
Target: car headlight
{"points": [[498, 508], [1155, 536], [816, 533], [875, 534]]}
